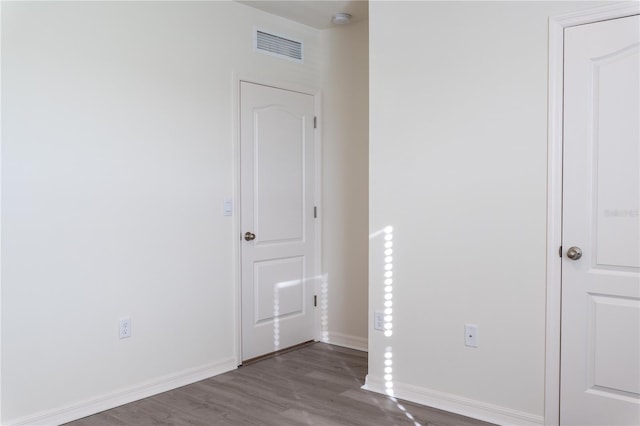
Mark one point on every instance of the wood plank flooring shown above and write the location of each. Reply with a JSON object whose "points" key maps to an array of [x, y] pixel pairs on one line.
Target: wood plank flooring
{"points": [[316, 385]]}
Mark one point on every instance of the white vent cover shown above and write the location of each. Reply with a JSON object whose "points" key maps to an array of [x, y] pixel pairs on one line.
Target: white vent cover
{"points": [[277, 45]]}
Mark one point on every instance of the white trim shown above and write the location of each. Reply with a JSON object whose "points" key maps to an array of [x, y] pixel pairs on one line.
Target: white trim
{"points": [[554, 225], [454, 403], [320, 277], [236, 228], [557, 25], [238, 78], [0, 224], [126, 395], [278, 84], [347, 341]]}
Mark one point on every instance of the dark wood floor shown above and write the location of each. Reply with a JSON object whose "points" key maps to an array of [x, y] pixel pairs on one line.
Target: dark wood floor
{"points": [[316, 385]]}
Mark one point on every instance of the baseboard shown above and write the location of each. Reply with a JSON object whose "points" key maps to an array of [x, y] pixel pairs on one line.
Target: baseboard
{"points": [[348, 341], [124, 396], [455, 404]]}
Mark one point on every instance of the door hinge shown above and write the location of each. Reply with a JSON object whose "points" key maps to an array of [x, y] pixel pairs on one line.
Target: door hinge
{"points": [[315, 122], [315, 300], [560, 251], [315, 212]]}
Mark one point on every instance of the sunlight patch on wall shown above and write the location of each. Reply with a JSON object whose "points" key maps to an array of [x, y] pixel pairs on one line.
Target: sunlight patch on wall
{"points": [[388, 322]]}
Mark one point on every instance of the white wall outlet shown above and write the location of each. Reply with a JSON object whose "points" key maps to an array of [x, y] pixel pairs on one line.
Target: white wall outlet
{"points": [[378, 320], [125, 327], [471, 335]]}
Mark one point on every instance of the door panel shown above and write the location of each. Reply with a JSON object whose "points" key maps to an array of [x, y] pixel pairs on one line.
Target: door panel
{"points": [[614, 339], [616, 151], [279, 288], [277, 198], [600, 343], [279, 176]]}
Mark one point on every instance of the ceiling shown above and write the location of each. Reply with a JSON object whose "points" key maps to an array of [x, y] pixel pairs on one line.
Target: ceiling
{"points": [[314, 13]]}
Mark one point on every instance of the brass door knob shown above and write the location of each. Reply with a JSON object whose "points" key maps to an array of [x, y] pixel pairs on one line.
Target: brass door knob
{"points": [[249, 236]]}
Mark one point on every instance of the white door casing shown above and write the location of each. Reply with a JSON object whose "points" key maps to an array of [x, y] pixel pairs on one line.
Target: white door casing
{"points": [[277, 206], [600, 343]]}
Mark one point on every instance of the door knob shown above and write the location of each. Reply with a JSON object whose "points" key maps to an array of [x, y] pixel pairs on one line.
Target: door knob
{"points": [[249, 236], [574, 253]]}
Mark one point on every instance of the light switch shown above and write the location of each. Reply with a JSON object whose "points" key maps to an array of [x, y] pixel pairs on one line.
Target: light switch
{"points": [[378, 320], [227, 207]]}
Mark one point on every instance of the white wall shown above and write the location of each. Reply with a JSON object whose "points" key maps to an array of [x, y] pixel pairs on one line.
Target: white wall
{"points": [[344, 214], [117, 151], [458, 116]]}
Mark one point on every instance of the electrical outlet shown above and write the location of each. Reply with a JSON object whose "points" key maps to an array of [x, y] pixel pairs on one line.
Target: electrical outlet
{"points": [[378, 320], [471, 335], [125, 327]]}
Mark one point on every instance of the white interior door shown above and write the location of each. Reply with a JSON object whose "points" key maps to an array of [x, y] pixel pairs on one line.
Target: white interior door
{"points": [[600, 343], [277, 218]]}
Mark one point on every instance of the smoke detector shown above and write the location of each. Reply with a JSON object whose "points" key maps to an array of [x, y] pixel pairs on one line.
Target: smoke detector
{"points": [[341, 18]]}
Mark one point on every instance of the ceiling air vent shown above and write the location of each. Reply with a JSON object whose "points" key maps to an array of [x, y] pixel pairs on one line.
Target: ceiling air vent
{"points": [[279, 46]]}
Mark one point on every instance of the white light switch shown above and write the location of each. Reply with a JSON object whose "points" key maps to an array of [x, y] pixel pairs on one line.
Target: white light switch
{"points": [[378, 320], [227, 207]]}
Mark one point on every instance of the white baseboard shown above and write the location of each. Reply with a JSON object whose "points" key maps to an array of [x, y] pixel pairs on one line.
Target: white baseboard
{"points": [[455, 404], [124, 396], [348, 341]]}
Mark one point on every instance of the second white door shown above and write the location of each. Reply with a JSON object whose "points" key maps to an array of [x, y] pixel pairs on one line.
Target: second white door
{"points": [[277, 218], [600, 354]]}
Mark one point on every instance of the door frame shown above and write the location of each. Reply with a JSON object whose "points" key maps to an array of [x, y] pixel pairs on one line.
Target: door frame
{"points": [[237, 79], [557, 25]]}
